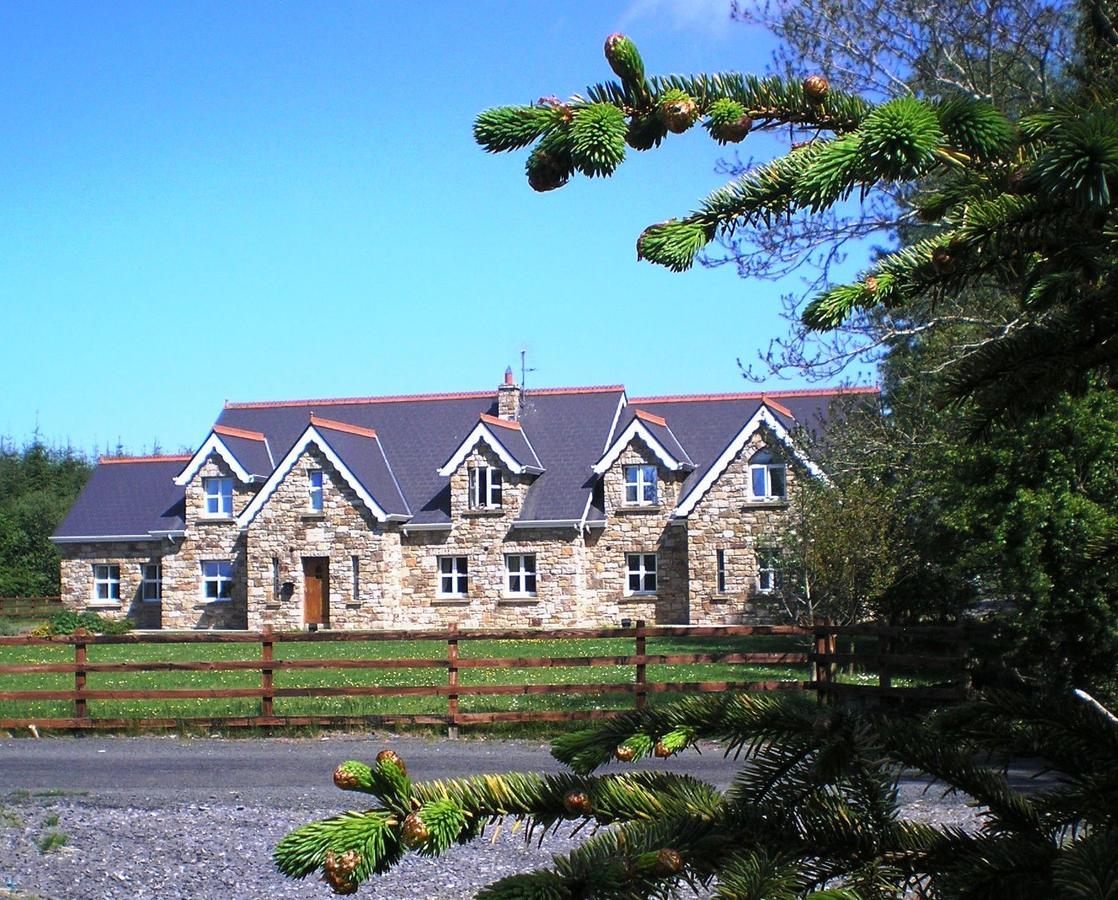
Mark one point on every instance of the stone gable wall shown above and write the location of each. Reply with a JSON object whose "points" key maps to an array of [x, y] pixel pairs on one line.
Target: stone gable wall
{"points": [[287, 530], [726, 519]]}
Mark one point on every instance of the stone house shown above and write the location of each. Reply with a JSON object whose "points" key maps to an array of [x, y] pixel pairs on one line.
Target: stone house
{"points": [[546, 507]]}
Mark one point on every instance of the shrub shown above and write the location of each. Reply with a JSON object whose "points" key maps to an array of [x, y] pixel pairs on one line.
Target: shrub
{"points": [[68, 622]]}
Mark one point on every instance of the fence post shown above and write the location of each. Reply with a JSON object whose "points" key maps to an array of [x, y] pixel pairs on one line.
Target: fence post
{"points": [[642, 678], [452, 681], [267, 707], [820, 669], [81, 708]]}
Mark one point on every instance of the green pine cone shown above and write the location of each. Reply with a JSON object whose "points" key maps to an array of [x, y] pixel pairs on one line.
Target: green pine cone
{"points": [[353, 775], [729, 123], [511, 127], [625, 60], [674, 244], [550, 165], [645, 132], [598, 138], [678, 110], [899, 138]]}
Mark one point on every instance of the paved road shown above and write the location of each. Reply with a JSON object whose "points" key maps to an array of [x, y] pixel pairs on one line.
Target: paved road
{"points": [[142, 770]]}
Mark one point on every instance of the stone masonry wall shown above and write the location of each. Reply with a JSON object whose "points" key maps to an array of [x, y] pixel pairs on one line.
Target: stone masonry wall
{"points": [[726, 519], [207, 538], [78, 582], [287, 530], [638, 529]]}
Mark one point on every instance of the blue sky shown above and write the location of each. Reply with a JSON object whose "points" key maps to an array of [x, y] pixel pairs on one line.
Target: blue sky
{"points": [[251, 201]]}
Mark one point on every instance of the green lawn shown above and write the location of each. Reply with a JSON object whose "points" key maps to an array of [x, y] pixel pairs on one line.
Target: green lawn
{"points": [[356, 706]]}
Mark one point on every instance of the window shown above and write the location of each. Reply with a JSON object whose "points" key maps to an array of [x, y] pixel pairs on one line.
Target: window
{"points": [[454, 576], [641, 573], [316, 490], [276, 586], [106, 584], [151, 583], [219, 496], [767, 477], [640, 485], [355, 561], [217, 579], [520, 574], [485, 488], [720, 565], [768, 571]]}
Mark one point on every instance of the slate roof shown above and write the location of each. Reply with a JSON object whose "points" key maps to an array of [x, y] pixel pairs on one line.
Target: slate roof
{"points": [[250, 451], [567, 431], [128, 498], [511, 436], [660, 428], [364, 456]]}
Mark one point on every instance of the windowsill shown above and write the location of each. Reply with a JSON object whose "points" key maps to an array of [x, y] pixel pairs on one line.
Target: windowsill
{"points": [[215, 520], [483, 513], [209, 602], [114, 604], [356, 605], [518, 599], [720, 598], [313, 516], [637, 510], [159, 600], [766, 503], [640, 595], [451, 601]]}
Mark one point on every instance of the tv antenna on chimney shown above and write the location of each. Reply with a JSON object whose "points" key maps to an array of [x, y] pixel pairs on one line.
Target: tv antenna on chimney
{"points": [[524, 370]]}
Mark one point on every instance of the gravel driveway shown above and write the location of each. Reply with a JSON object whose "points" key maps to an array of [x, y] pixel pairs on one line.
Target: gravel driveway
{"points": [[173, 817]]}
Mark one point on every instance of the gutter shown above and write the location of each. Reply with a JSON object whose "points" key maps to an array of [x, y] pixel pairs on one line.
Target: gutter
{"points": [[429, 526], [102, 538]]}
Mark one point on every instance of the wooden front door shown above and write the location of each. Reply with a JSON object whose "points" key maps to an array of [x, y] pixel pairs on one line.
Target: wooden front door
{"points": [[316, 590]]}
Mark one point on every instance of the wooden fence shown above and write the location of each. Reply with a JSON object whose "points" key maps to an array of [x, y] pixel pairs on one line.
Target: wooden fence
{"points": [[920, 654], [30, 607]]}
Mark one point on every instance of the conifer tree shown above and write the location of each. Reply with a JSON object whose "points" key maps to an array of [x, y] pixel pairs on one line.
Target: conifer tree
{"points": [[1023, 205]]}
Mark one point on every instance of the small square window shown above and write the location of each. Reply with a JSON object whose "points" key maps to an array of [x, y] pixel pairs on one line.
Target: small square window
{"points": [[151, 584], [520, 574], [485, 488], [767, 477], [640, 485], [640, 573], [106, 583], [219, 496], [454, 577], [217, 580], [315, 499]]}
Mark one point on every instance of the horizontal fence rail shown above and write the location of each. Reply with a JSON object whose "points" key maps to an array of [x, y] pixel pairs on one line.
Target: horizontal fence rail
{"points": [[30, 607], [930, 662]]}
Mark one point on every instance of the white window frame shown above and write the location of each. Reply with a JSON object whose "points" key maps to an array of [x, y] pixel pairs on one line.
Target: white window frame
{"points": [[107, 576], [314, 494], [520, 575], [486, 487], [218, 492], [720, 570], [457, 573], [218, 572], [765, 470], [639, 478], [151, 574], [768, 571], [638, 564]]}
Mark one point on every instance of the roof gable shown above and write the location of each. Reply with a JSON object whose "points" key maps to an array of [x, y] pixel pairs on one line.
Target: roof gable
{"points": [[245, 452], [506, 439], [654, 432]]}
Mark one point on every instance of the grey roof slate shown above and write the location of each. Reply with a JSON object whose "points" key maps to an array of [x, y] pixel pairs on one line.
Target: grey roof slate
{"points": [[365, 459], [251, 454], [515, 442], [662, 433], [569, 430], [128, 498]]}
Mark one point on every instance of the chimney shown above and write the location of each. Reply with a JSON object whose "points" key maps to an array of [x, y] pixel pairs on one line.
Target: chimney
{"points": [[508, 398]]}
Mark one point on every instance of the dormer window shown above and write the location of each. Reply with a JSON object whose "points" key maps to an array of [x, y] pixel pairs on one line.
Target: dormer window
{"points": [[767, 477], [640, 485], [315, 495], [485, 488], [219, 496]]}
